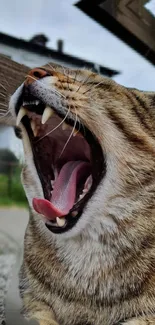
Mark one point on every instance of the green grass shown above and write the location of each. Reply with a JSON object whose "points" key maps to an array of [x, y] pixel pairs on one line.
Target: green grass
{"points": [[11, 190]]}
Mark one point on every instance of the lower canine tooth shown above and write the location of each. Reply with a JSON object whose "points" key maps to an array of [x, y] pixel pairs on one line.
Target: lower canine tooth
{"points": [[48, 112], [60, 221], [81, 196], [88, 183]]}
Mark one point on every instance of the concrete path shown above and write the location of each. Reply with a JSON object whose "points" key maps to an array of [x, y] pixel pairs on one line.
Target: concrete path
{"points": [[14, 221]]}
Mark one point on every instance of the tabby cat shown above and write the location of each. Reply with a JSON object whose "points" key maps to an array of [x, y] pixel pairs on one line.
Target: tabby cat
{"points": [[89, 176]]}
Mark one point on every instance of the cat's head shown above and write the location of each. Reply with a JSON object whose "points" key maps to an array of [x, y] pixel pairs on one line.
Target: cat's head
{"points": [[89, 148]]}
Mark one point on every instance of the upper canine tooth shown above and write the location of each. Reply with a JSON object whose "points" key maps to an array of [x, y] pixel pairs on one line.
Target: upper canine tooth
{"points": [[64, 126], [48, 112], [20, 115]]}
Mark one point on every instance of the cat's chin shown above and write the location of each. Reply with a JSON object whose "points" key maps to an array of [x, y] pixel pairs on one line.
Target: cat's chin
{"points": [[67, 156]]}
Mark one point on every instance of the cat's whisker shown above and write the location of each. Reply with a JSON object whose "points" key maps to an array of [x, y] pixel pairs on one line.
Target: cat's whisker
{"points": [[83, 83], [135, 176], [69, 136], [55, 70], [56, 126], [66, 74], [51, 67], [76, 74], [29, 76], [93, 87], [4, 114], [48, 87]]}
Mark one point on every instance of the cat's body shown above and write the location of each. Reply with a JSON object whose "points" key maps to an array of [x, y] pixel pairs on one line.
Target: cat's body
{"points": [[88, 282], [102, 271]]}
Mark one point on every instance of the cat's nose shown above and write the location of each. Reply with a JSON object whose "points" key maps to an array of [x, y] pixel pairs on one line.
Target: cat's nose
{"points": [[34, 75]]}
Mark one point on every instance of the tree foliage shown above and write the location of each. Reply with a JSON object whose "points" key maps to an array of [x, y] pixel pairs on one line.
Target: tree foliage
{"points": [[8, 161]]}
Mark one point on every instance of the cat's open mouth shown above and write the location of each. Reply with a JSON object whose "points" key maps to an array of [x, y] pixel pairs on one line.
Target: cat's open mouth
{"points": [[68, 158]]}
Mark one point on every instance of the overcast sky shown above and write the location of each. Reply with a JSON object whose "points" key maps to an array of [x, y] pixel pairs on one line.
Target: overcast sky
{"points": [[60, 19]]}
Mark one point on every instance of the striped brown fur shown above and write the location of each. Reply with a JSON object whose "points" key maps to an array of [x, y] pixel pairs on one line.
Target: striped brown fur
{"points": [[104, 275]]}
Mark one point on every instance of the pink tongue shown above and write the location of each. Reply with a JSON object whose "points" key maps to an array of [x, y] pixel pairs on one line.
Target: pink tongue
{"points": [[64, 193]]}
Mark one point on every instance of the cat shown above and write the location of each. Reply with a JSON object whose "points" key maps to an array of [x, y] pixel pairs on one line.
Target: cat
{"points": [[89, 177]]}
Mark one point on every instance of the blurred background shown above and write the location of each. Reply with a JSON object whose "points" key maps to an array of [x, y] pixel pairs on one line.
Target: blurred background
{"points": [[114, 38]]}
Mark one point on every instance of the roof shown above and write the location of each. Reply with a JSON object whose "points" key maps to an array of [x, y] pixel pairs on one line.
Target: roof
{"points": [[12, 75], [53, 54], [130, 20]]}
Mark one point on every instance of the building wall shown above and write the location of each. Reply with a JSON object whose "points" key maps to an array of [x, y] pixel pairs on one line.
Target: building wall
{"points": [[8, 140], [28, 58]]}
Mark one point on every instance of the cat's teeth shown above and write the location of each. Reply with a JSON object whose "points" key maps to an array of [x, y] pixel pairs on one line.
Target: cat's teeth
{"points": [[48, 112], [64, 126], [74, 213], [81, 196], [52, 182], [34, 128], [60, 221], [75, 133], [32, 102], [55, 172], [22, 112], [37, 102], [88, 182]]}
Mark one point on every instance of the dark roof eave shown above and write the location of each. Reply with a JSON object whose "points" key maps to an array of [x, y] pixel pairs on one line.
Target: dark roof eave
{"points": [[92, 9], [26, 45]]}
